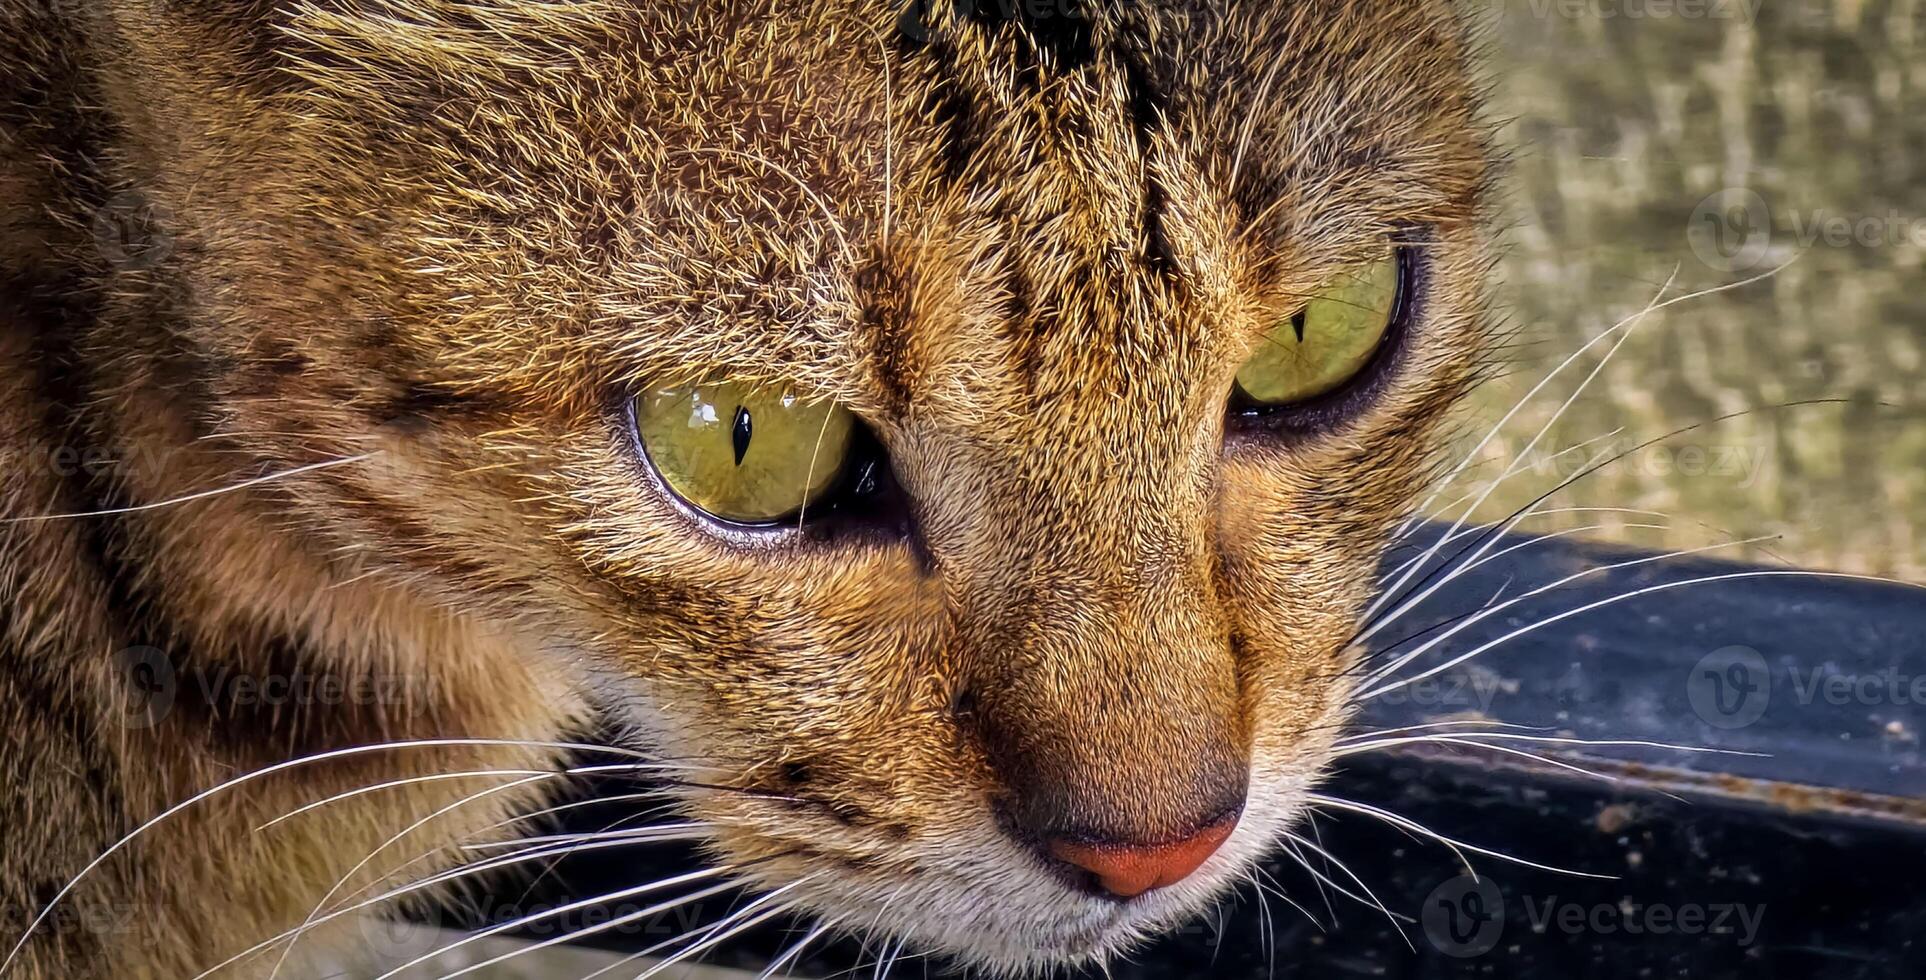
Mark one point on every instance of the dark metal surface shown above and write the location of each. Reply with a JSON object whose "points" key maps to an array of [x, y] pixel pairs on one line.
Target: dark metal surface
{"points": [[1803, 860]]}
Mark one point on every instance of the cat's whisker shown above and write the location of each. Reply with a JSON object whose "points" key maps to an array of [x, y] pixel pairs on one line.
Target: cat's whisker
{"points": [[1267, 933], [809, 476], [559, 853], [1439, 724], [1260, 876], [888, 962], [1458, 564], [876, 921], [465, 801], [395, 784], [415, 887], [735, 923], [246, 778], [889, 130], [1406, 823], [1474, 562], [1372, 899], [1624, 596], [1554, 535], [1621, 331], [191, 497], [1451, 569], [1377, 676], [673, 831], [1627, 326], [1521, 753], [1244, 138], [1471, 530], [579, 934], [598, 800], [576, 906], [1322, 892], [796, 950], [1353, 749], [1317, 834], [1363, 663]]}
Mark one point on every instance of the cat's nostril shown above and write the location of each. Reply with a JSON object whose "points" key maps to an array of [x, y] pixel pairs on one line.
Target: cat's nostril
{"points": [[1127, 869]]}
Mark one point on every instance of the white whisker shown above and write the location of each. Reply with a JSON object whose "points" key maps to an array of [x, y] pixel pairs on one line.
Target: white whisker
{"points": [[711, 939], [794, 951], [1388, 669], [1406, 823], [1621, 597], [1622, 330], [575, 906], [394, 784], [141, 830], [1627, 326], [468, 800], [1560, 740], [1259, 875], [1372, 901], [432, 881], [189, 498], [1439, 724]]}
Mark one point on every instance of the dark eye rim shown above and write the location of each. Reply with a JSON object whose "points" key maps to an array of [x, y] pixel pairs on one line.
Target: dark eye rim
{"points": [[865, 491], [1324, 412]]}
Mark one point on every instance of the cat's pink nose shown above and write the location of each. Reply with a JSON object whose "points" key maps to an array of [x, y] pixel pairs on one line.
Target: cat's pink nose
{"points": [[1129, 870]]}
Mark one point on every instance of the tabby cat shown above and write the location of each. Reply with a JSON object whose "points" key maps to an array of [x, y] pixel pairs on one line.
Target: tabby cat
{"points": [[951, 446]]}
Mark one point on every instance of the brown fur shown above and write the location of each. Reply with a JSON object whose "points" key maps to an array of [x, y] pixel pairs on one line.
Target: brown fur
{"points": [[1029, 254]]}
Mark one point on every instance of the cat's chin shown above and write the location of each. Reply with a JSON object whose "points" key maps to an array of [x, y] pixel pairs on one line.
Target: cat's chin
{"points": [[997, 911]]}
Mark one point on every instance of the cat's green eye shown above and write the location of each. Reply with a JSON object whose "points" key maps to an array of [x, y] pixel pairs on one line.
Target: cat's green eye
{"points": [[744, 454], [1327, 342]]}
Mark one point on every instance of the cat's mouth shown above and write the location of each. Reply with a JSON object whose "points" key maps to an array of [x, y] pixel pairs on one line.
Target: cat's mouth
{"points": [[971, 894]]}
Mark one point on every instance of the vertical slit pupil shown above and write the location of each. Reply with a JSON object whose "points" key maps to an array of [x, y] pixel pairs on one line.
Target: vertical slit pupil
{"points": [[740, 433], [1297, 325]]}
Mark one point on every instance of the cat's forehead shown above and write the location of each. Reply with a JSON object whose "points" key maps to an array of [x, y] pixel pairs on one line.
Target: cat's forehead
{"points": [[857, 199], [1046, 187]]}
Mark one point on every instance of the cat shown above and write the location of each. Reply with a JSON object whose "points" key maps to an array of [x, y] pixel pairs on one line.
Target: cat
{"points": [[952, 445]]}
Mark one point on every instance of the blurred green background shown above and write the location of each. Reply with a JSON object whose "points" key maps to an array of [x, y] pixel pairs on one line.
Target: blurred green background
{"points": [[1710, 141]]}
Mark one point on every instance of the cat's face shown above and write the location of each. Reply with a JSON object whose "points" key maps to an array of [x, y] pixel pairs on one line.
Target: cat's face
{"points": [[1089, 601]]}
